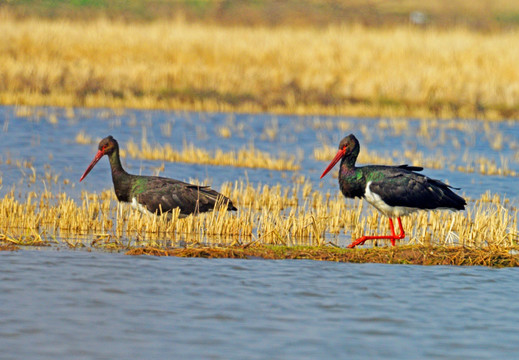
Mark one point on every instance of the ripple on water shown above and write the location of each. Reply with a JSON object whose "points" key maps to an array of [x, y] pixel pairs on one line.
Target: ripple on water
{"points": [[251, 309]]}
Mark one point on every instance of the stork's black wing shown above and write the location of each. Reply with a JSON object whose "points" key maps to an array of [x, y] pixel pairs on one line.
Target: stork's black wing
{"points": [[163, 195], [400, 186]]}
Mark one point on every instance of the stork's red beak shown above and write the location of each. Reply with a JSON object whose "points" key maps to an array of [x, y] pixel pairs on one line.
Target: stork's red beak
{"points": [[335, 160], [98, 157]]}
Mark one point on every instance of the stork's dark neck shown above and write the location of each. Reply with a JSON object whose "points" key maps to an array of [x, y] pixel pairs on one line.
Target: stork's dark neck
{"points": [[120, 178], [115, 163], [348, 161], [351, 178]]}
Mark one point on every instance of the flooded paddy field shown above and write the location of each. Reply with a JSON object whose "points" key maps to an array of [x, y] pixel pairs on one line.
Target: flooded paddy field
{"points": [[270, 168], [56, 145], [60, 299]]}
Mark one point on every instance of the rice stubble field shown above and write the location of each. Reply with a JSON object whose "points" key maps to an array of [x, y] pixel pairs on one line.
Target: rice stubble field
{"points": [[339, 69]]}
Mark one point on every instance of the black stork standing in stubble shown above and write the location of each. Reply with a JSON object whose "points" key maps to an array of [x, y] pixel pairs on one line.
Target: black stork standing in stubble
{"points": [[393, 190], [155, 194]]}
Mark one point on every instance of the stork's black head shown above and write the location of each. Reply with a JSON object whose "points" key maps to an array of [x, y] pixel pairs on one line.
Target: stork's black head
{"points": [[349, 145], [349, 148], [106, 147]]}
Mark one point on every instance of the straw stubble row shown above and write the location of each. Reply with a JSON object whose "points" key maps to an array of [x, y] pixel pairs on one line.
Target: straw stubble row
{"points": [[267, 214]]}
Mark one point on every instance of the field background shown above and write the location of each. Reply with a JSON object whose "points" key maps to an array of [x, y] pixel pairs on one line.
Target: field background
{"points": [[443, 59]]}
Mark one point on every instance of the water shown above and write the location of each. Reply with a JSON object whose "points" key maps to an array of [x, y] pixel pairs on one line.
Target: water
{"points": [[81, 305], [50, 147], [60, 303]]}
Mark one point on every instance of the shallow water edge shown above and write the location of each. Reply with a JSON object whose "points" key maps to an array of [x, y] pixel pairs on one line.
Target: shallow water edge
{"points": [[409, 254]]}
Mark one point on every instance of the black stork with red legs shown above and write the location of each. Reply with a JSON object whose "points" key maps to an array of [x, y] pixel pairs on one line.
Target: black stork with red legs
{"points": [[393, 190], [155, 194]]}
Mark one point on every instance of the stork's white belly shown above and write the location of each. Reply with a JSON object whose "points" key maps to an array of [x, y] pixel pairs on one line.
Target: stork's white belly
{"points": [[391, 211], [139, 207], [143, 209]]}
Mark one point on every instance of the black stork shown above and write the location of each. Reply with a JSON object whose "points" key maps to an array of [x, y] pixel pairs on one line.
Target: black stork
{"points": [[155, 194], [393, 190]]}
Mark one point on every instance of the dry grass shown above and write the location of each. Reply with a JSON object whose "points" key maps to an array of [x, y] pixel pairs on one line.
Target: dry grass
{"points": [[82, 138], [295, 215], [416, 255], [33, 239], [246, 157], [8, 247], [352, 70]]}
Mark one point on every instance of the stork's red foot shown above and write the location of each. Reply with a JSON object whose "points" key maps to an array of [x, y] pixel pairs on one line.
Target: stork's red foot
{"points": [[391, 237]]}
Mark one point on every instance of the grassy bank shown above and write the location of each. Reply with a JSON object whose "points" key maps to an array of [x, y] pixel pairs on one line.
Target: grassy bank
{"points": [[408, 254], [415, 255], [8, 247], [353, 70]]}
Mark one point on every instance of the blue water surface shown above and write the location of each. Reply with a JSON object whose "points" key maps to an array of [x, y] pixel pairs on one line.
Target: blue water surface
{"points": [[60, 303], [91, 305], [45, 138]]}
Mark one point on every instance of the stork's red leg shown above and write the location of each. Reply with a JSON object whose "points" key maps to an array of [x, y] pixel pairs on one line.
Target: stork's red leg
{"points": [[402, 232], [391, 237]]}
